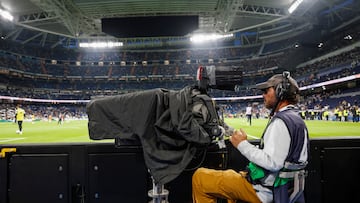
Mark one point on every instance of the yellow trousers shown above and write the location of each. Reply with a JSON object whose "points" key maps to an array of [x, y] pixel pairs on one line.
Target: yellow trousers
{"points": [[210, 184]]}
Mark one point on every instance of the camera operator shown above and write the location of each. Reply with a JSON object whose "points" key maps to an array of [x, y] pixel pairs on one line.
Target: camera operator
{"points": [[285, 140]]}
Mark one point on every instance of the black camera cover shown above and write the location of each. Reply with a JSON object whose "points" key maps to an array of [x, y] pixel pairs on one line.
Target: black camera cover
{"points": [[170, 125]]}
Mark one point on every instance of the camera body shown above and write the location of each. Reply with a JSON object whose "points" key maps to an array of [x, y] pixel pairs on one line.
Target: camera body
{"points": [[219, 77]]}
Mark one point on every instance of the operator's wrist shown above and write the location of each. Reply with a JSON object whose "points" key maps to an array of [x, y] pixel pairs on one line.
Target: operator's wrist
{"points": [[242, 144]]}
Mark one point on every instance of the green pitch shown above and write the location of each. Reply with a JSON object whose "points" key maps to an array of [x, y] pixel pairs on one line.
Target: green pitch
{"points": [[316, 128], [45, 132], [77, 131]]}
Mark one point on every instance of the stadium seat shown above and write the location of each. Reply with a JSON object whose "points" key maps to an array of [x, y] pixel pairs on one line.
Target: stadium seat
{"points": [[298, 173]]}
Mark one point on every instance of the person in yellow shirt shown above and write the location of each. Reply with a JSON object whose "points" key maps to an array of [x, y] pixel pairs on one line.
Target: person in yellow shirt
{"points": [[336, 113], [326, 115], [340, 115], [19, 118], [345, 114]]}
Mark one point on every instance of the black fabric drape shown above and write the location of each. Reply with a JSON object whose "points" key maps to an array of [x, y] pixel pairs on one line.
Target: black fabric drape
{"points": [[163, 121]]}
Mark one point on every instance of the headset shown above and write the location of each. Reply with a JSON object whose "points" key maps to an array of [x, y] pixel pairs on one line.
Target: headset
{"points": [[283, 88]]}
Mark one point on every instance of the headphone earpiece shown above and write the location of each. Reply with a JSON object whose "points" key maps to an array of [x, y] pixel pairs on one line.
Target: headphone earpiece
{"points": [[283, 88], [279, 90]]}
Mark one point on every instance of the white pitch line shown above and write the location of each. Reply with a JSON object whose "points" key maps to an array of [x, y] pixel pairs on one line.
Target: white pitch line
{"points": [[252, 136], [10, 139]]}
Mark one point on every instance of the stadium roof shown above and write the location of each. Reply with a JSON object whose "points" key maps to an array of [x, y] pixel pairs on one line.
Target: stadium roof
{"points": [[67, 22]]}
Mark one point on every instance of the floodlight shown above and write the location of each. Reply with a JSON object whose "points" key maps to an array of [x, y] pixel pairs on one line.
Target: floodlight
{"points": [[100, 44], [348, 37], [6, 15], [294, 6], [206, 37]]}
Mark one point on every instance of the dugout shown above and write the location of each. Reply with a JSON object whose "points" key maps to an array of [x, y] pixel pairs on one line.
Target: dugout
{"points": [[102, 172]]}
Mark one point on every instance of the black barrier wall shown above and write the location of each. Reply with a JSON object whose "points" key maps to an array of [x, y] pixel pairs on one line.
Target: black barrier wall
{"points": [[104, 173]]}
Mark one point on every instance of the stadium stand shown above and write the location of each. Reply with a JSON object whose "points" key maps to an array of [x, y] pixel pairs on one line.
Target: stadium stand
{"points": [[49, 81]]}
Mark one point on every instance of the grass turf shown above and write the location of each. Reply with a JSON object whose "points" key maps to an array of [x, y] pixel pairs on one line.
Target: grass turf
{"points": [[45, 132], [317, 129], [77, 131]]}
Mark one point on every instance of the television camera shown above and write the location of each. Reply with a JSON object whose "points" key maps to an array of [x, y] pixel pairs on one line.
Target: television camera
{"points": [[220, 78], [171, 125]]}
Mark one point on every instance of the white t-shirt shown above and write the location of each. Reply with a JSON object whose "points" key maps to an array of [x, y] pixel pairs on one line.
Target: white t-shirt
{"points": [[248, 110]]}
